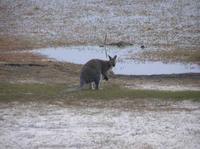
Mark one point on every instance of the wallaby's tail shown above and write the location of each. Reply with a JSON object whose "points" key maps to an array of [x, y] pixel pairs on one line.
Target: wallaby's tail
{"points": [[71, 89], [76, 88], [81, 82]]}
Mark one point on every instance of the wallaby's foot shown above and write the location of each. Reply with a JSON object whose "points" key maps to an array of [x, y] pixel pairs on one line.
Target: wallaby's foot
{"points": [[92, 86], [97, 83], [97, 87]]}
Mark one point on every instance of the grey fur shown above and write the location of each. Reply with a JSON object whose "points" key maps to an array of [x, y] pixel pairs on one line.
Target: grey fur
{"points": [[93, 69]]}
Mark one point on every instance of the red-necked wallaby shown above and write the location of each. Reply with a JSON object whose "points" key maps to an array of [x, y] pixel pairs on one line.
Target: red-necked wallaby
{"points": [[94, 69]]}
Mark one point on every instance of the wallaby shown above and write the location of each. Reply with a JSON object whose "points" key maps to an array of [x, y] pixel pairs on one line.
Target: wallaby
{"points": [[94, 69]]}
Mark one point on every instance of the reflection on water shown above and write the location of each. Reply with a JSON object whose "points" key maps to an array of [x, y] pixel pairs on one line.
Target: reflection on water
{"points": [[81, 54]]}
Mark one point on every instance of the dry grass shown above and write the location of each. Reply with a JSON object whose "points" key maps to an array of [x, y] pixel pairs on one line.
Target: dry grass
{"points": [[65, 42], [9, 43], [11, 49], [19, 57], [39, 72], [22, 43], [183, 55]]}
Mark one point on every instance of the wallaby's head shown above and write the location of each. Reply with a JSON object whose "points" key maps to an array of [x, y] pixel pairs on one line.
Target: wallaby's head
{"points": [[112, 61]]}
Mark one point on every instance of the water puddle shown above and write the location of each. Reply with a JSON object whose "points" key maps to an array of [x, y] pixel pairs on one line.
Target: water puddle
{"points": [[125, 66]]}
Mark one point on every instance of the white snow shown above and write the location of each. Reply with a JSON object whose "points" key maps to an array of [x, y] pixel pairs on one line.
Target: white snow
{"points": [[41, 125], [171, 22]]}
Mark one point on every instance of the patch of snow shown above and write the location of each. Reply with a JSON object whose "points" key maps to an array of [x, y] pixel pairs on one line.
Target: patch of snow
{"points": [[40, 125], [88, 21], [162, 87]]}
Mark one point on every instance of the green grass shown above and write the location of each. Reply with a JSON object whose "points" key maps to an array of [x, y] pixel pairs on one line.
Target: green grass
{"points": [[12, 92], [114, 92]]}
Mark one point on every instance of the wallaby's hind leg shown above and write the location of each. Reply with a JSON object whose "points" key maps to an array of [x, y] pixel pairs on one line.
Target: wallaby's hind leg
{"points": [[92, 85], [97, 84], [100, 82]]}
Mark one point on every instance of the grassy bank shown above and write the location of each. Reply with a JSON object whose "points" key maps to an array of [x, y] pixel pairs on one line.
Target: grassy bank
{"points": [[114, 92], [12, 92]]}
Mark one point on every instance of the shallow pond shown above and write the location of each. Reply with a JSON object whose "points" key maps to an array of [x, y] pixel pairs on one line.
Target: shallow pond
{"points": [[125, 66]]}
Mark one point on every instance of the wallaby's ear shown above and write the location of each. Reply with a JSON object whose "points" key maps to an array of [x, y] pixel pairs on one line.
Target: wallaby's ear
{"points": [[115, 56], [109, 57]]}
